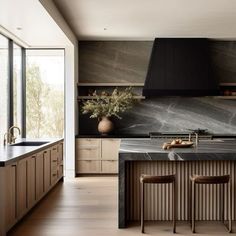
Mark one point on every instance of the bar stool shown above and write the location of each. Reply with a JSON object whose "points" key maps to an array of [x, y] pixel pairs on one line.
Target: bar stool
{"points": [[152, 179], [198, 179]]}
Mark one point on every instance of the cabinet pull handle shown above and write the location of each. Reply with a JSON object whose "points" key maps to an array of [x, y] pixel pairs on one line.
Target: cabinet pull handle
{"points": [[54, 174], [33, 156], [54, 160], [54, 149], [14, 165], [45, 151]]}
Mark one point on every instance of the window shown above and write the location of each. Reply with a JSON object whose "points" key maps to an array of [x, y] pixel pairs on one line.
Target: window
{"points": [[17, 86], [44, 93], [4, 101]]}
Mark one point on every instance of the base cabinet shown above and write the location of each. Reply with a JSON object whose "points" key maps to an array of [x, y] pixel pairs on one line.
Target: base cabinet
{"points": [[27, 181], [97, 156]]}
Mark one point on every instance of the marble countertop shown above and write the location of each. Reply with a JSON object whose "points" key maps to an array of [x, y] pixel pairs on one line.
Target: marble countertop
{"points": [[151, 149], [10, 154]]}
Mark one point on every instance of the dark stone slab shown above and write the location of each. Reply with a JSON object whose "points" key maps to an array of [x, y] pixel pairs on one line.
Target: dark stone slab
{"points": [[114, 62]]}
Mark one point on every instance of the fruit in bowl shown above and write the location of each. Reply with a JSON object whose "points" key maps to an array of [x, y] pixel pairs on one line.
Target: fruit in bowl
{"points": [[177, 143]]}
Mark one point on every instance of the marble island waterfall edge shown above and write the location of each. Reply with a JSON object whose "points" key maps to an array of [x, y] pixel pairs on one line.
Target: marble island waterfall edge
{"points": [[145, 154]]}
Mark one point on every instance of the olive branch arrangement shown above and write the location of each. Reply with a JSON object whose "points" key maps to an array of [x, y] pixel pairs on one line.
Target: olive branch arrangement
{"points": [[107, 105]]}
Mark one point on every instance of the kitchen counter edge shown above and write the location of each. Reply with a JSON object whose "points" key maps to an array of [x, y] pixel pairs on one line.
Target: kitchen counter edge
{"points": [[36, 149]]}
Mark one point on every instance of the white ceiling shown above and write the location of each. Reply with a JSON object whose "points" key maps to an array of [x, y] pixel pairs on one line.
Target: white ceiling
{"points": [[38, 28], [147, 19]]}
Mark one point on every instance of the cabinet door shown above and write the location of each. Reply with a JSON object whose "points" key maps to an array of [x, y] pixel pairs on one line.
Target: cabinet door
{"points": [[110, 167], [60, 171], [47, 170], [21, 187], [39, 176], [110, 149], [31, 180], [10, 195], [60, 153]]}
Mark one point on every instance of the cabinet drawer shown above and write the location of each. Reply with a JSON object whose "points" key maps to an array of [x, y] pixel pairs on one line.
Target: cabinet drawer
{"points": [[88, 153], [54, 164], [110, 149], [88, 166], [110, 166], [88, 142], [54, 175], [54, 152]]}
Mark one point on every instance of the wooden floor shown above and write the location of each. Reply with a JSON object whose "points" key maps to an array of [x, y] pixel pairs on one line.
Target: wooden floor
{"points": [[87, 206]]}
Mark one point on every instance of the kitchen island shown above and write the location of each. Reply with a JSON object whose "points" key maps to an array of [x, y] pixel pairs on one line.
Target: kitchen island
{"points": [[146, 156]]}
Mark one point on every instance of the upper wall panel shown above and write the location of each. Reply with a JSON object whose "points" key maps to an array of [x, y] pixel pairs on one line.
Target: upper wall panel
{"points": [[113, 62]]}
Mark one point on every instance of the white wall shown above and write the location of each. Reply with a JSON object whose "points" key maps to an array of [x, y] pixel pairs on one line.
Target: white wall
{"points": [[71, 78]]}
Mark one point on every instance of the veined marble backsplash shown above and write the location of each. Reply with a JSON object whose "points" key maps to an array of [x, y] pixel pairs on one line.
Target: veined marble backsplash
{"points": [[173, 114], [179, 114]]}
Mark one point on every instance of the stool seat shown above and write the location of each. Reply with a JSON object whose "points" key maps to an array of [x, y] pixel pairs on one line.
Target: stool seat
{"points": [[160, 179], [201, 179]]}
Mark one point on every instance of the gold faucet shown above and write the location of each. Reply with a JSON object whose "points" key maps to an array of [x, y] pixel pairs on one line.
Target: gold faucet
{"points": [[9, 137]]}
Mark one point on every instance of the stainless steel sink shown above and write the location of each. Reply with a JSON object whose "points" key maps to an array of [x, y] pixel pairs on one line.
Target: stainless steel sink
{"points": [[30, 143]]}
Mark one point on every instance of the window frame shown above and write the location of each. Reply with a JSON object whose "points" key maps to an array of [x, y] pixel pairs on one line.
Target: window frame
{"points": [[10, 104]]}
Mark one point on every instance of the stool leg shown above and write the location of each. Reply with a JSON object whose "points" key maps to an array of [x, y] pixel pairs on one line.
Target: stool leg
{"points": [[230, 207], [223, 203], [193, 207], [142, 207], [190, 203], [174, 206]]}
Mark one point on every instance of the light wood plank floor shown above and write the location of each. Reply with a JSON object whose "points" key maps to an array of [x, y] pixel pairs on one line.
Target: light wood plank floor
{"points": [[87, 206]]}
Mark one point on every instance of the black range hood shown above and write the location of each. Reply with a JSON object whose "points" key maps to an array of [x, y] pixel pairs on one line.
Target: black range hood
{"points": [[180, 67]]}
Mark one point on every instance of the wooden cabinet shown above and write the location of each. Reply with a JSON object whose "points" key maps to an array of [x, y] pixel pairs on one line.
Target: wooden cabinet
{"points": [[10, 190], [97, 156], [26, 181], [31, 177], [21, 187], [47, 169], [39, 176]]}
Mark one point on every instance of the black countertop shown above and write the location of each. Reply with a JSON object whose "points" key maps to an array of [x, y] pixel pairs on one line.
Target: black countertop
{"points": [[10, 154], [119, 136], [151, 149]]}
